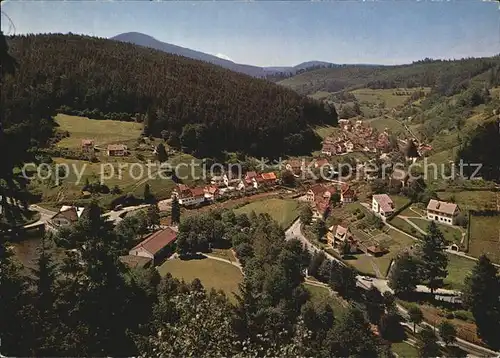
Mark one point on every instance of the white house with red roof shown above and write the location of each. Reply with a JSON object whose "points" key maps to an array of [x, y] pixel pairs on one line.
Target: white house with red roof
{"points": [[442, 211], [382, 205], [189, 196]]}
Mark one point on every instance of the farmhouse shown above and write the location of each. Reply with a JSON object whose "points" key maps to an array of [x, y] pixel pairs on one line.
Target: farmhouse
{"points": [[156, 246], [399, 177], [347, 194], [442, 211], [338, 235], [329, 149], [212, 193], [269, 178], [189, 196], [376, 250], [87, 145], [382, 205], [321, 207], [220, 180], [116, 150], [319, 191], [67, 216], [295, 166]]}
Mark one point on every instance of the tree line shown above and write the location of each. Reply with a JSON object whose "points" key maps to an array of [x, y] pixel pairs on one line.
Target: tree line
{"points": [[205, 109]]}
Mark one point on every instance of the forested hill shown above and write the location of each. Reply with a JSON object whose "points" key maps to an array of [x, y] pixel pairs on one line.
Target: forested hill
{"points": [[445, 77], [207, 108]]}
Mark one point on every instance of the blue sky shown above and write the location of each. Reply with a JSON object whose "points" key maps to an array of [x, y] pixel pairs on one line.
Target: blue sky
{"points": [[273, 33]]}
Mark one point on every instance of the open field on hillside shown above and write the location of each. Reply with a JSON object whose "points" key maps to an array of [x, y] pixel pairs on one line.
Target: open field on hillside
{"points": [[212, 273], [393, 240], [452, 234], [321, 295], [101, 131], [403, 349], [402, 224], [126, 175], [458, 269], [386, 96], [471, 200], [283, 211], [399, 201], [326, 131], [485, 237], [393, 125]]}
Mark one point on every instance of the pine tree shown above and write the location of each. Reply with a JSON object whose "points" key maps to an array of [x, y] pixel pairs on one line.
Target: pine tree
{"points": [[153, 216], [161, 153], [482, 289], [176, 211], [403, 277], [433, 258], [43, 297], [148, 197]]}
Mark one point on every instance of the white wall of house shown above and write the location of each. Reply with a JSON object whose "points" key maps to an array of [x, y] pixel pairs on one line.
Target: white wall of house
{"points": [[191, 200], [442, 218]]}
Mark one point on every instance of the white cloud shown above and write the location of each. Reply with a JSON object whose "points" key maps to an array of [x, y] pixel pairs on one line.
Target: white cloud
{"points": [[224, 57]]}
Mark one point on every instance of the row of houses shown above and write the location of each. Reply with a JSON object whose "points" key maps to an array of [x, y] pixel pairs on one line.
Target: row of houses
{"points": [[320, 196], [223, 185], [112, 150]]}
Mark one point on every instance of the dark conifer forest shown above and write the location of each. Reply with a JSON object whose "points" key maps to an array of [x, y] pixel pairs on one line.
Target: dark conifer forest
{"points": [[209, 109]]}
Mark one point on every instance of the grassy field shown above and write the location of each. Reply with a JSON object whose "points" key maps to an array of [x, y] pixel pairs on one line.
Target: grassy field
{"points": [[394, 241], [399, 201], [326, 131], [485, 237], [452, 234], [394, 126], [101, 131], [283, 211], [406, 227], [321, 295], [377, 96], [212, 273], [404, 350], [458, 269], [473, 200]]}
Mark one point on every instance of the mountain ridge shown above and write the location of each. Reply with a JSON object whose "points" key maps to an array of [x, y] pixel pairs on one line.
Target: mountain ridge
{"points": [[141, 39]]}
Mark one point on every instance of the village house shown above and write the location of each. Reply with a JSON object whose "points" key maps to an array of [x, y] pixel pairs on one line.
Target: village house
{"points": [[347, 194], [442, 212], [88, 145], [220, 180], [349, 146], [338, 235], [117, 150], [295, 166], [156, 246], [189, 196], [321, 208], [269, 179], [319, 191], [67, 216], [376, 250], [382, 205], [399, 178], [329, 149], [212, 192]]}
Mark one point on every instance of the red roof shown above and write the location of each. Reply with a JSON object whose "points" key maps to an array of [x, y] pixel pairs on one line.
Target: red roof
{"points": [[268, 176], [322, 205], [322, 162], [211, 189], [318, 189], [347, 191], [86, 142], [385, 202], [250, 175], [197, 192], [157, 241]]}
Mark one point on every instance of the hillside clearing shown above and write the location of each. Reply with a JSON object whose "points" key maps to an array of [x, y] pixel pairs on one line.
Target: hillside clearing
{"points": [[485, 236], [101, 131], [285, 212], [212, 273]]}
